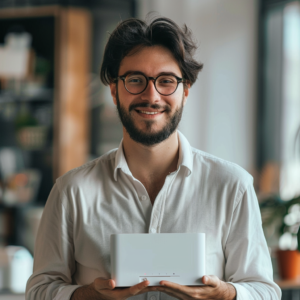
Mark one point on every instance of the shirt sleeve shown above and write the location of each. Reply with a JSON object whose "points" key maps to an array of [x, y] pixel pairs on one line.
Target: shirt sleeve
{"points": [[54, 261], [248, 263]]}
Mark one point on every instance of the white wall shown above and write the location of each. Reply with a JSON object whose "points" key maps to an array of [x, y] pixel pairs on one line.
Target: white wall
{"points": [[220, 116]]}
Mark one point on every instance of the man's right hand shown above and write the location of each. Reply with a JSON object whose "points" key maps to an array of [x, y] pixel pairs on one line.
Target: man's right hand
{"points": [[104, 289]]}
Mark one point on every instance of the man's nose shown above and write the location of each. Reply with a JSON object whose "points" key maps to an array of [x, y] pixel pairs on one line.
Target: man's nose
{"points": [[150, 93]]}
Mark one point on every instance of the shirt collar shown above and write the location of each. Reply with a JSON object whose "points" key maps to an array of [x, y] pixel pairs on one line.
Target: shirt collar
{"points": [[185, 154], [185, 157], [120, 162]]}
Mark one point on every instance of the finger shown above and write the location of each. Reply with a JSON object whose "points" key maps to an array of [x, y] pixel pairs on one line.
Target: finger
{"points": [[176, 290], [181, 291], [139, 287], [174, 286], [211, 280], [146, 290], [159, 288], [135, 289], [101, 284], [124, 293]]}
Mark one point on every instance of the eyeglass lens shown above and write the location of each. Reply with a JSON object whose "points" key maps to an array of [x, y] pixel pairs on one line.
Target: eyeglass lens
{"points": [[136, 83]]}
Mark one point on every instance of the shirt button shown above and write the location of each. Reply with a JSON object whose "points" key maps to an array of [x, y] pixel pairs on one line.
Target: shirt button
{"points": [[153, 230], [144, 197], [153, 298]]}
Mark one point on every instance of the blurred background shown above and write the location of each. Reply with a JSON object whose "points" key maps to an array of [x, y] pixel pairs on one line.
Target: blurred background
{"points": [[55, 114]]}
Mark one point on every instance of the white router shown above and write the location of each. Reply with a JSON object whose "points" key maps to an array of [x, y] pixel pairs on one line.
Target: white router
{"points": [[175, 257]]}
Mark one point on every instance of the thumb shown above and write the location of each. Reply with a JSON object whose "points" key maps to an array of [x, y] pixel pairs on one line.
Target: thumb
{"points": [[210, 280], [101, 284]]}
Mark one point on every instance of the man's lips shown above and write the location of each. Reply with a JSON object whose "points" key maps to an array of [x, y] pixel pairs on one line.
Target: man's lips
{"points": [[148, 113], [149, 107]]}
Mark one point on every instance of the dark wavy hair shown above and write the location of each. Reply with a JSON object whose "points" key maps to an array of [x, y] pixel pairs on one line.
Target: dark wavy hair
{"points": [[134, 34]]}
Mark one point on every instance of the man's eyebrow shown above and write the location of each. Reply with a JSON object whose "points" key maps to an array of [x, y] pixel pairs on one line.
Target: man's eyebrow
{"points": [[168, 73], [161, 73]]}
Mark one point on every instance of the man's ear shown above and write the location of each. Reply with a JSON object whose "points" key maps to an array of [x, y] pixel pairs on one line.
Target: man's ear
{"points": [[186, 92], [113, 91]]}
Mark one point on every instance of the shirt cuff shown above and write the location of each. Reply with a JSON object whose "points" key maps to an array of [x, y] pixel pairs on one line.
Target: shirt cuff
{"points": [[241, 292], [66, 292]]}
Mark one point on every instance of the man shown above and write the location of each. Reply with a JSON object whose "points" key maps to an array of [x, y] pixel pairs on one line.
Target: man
{"points": [[154, 182]]}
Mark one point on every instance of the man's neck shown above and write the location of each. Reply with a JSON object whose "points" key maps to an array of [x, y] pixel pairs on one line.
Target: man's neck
{"points": [[151, 164]]}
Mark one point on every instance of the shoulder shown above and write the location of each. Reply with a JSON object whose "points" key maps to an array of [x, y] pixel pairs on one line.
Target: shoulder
{"points": [[89, 172], [222, 171]]}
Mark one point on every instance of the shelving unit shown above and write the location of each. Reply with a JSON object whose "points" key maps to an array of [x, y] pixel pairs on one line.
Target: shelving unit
{"points": [[62, 35]]}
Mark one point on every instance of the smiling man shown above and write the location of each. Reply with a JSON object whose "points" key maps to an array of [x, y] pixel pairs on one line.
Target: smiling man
{"points": [[155, 182]]}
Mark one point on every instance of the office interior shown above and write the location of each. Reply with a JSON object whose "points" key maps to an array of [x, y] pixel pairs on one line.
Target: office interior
{"points": [[56, 115]]}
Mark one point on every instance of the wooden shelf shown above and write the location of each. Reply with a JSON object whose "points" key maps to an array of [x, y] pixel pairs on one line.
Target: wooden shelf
{"points": [[71, 70], [62, 36]]}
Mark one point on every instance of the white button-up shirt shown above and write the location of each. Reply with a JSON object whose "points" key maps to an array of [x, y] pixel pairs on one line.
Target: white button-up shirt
{"points": [[205, 194]]}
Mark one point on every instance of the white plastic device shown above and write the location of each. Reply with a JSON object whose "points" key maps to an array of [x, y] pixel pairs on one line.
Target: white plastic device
{"points": [[175, 257]]}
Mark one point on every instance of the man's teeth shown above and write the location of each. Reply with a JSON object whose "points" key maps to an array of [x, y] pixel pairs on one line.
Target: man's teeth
{"points": [[149, 112]]}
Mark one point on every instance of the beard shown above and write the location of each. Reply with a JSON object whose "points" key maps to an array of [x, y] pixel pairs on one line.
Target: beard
{"points": [[149, 137]]}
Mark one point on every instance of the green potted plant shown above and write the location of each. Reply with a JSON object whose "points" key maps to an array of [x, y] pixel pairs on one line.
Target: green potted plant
{"points": [[281, 220], [30, 135]]}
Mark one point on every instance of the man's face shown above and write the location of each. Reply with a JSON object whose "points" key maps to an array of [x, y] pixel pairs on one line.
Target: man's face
{"points": [[149, 118]]}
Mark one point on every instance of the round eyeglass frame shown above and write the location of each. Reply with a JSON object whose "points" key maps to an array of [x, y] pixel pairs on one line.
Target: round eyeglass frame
{"points": [[123, 77]]}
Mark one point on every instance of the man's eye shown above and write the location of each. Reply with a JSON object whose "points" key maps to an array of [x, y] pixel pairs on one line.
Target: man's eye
{"points": [[166, 80], [135, 80]]}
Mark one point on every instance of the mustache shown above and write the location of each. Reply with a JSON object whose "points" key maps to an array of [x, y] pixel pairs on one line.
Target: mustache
{"points": [[154, 106]]}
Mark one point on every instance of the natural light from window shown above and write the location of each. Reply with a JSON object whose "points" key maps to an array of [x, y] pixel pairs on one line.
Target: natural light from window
{"points": [[290, 172]]}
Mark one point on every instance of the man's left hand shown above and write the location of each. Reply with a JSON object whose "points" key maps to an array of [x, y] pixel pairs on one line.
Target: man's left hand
{"points": [[214, 288]]}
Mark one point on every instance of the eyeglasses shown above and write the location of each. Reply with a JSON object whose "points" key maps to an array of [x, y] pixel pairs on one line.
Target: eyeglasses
{"points": [[165, 84]]}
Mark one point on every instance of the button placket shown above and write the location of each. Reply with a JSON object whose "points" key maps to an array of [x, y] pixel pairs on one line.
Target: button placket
{"points": [[153, 223], [153, 230], [141, 191], [143, 198], [159, 205], [155, 216]]}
